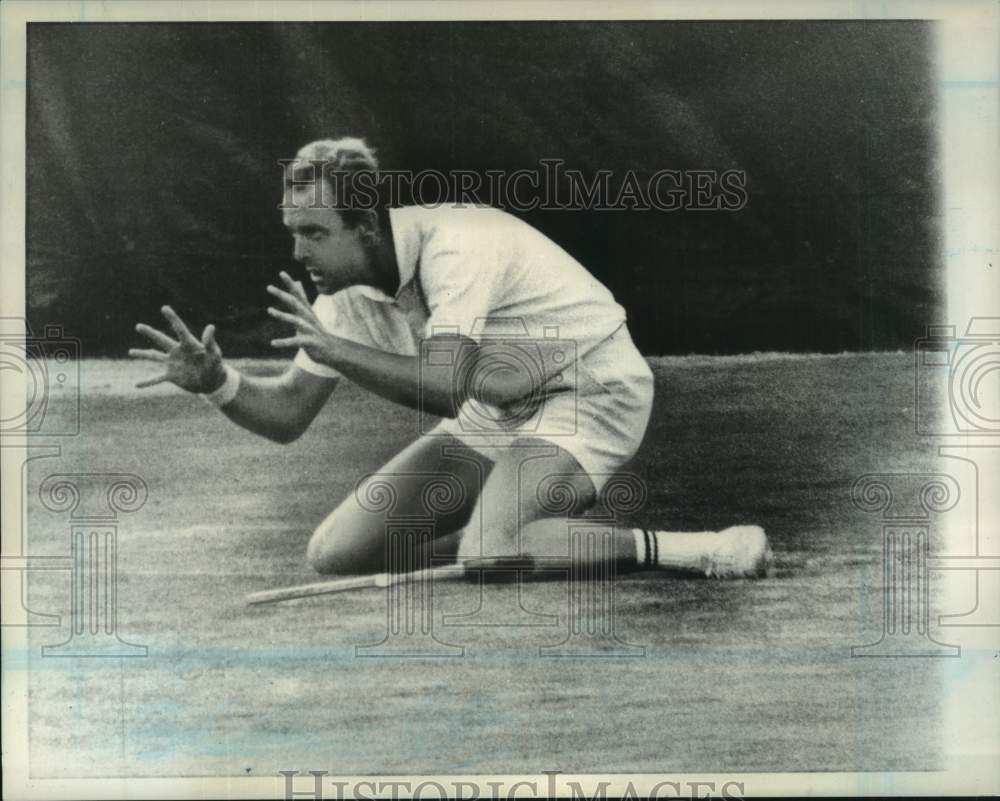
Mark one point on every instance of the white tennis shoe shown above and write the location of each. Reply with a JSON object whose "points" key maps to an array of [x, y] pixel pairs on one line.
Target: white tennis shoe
{"points": [[737, 552]]}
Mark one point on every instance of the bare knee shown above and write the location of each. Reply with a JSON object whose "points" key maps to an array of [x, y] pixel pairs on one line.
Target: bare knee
{"points": [[343, 544], [522, 489], [321, 556]]}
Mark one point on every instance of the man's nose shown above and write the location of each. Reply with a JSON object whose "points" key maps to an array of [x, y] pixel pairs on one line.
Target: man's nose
{"points": [[300, 251]]}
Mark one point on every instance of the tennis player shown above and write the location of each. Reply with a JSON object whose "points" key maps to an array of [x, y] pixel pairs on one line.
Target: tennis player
{"points": [[472, 316]]}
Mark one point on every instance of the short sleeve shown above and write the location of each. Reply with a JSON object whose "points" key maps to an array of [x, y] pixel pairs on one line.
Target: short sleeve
{"points": [[326, 310], [460, 277]]}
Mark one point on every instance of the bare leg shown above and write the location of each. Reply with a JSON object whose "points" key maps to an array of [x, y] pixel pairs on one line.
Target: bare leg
{"points": [[507, 518], [548, 540], [516, 522], [352, 539]]}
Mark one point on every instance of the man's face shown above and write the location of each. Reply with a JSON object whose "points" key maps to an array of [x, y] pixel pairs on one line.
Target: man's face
{"points": [[334, 255]]}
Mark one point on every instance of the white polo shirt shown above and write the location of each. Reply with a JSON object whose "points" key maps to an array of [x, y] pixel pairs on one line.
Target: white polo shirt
{"points": [[479, 272]]}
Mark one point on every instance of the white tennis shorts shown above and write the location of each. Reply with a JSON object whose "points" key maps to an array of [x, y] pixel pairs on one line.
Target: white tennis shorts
{"points": [[601, 419]]}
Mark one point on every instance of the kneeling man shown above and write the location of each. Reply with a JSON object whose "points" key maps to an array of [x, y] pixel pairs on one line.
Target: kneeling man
{"points": [[473, 316]]}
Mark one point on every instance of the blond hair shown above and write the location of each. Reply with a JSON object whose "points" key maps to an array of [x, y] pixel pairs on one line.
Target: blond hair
{"points": [[344, 157]]}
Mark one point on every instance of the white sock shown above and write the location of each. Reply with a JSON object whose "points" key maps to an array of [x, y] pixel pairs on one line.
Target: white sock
{"points": [[671, 549]]}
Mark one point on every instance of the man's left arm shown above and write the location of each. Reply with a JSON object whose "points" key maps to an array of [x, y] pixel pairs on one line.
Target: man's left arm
{"points": [[401, 379], [490, 376]]}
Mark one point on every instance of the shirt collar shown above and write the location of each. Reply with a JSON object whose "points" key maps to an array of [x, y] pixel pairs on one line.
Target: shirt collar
{"points": [[406, 243]]}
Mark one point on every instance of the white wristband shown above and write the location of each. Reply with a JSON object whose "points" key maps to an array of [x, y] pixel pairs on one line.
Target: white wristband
{"points": [[227, 391]]}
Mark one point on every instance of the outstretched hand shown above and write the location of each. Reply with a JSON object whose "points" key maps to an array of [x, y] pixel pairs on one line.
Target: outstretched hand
{"points": [[309, 332], [190, 363]]}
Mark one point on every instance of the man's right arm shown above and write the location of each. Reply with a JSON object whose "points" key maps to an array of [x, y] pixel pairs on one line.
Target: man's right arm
{"points": [[279, 407]]}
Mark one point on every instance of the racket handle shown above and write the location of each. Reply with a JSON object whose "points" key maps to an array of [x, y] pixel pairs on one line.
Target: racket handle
{"points": [[309, 590], [428, 574]]}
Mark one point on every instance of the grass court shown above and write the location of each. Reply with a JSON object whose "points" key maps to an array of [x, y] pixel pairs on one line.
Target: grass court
{"points": [[737, 676]]}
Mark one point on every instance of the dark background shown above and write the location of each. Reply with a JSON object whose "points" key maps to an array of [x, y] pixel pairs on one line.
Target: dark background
{"points": [[153, 174]]}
